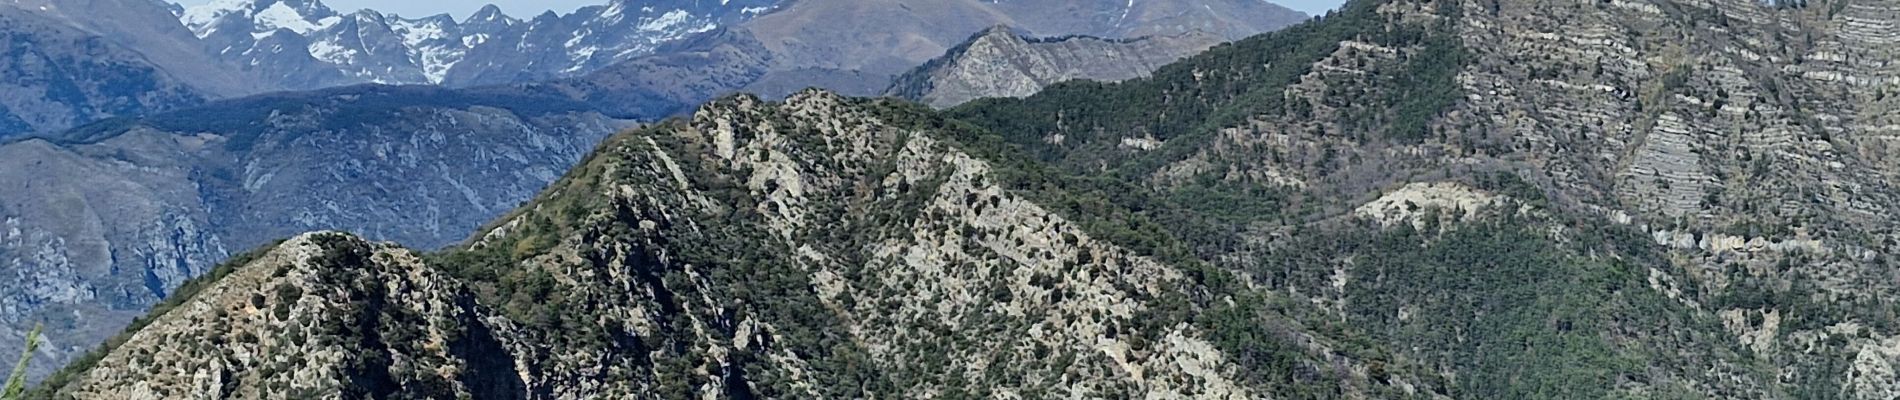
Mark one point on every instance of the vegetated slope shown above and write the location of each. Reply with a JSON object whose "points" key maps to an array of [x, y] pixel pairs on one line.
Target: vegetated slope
{"points": [[1001, 63], [823, 247], [104, 221], [1716, 173], [54, 76]]}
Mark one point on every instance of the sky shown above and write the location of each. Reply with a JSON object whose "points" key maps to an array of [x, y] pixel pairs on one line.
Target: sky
{"points": [[1310, 7], [529, 8]]}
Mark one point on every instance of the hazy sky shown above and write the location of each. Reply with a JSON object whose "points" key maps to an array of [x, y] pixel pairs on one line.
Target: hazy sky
{"points": [[529, 8]]}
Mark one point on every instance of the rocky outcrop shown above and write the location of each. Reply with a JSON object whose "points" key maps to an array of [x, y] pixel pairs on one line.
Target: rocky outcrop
{"points": [[276, 327], [1001, 63]]}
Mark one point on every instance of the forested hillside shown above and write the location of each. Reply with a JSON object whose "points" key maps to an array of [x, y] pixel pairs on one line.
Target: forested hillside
{"points": [[1356, 164]]}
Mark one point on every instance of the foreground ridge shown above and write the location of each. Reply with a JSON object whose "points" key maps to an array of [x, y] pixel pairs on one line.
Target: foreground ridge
{"points": [[811, 248]]}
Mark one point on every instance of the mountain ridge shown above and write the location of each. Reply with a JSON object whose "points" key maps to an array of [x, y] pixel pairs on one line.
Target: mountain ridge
{"points": [[653, 211], [187, 188], [1001, 63]]}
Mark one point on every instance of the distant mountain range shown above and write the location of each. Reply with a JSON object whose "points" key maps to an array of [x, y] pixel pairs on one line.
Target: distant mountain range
{"points": [[59, 75], [303, 44], [160, 56]]}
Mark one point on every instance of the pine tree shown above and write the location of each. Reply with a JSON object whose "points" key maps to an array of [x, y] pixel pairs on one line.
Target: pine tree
{"points": [[16, 383]]}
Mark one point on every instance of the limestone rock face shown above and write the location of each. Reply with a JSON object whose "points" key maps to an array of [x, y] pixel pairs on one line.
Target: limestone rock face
{"points": [[1001, 63]]}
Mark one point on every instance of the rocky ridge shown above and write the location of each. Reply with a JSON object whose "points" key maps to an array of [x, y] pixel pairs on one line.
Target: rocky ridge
{"points": [[704, 258], [1001, 63]]}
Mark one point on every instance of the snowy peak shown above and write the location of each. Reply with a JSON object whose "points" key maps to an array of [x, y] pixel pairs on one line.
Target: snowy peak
{"points": [[490, 16], [372, 47], [489, 13], [260, 16]]}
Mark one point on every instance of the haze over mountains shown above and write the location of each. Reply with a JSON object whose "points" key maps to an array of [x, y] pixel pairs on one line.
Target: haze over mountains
{"points": [[104, 220]]}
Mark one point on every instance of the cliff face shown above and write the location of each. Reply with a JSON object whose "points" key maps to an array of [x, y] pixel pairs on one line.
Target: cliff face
{"points": [[1752, 140], [1729, 152], [1001, 63], [822, 247]]}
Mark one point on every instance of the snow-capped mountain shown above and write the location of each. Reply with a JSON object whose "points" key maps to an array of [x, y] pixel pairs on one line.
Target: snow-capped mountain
{"points": [[305, 44], [554, 46]]}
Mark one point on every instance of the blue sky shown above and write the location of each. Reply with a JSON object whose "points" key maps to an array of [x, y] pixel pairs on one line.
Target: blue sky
{"points": [[530, 8], [1310, 7]]}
